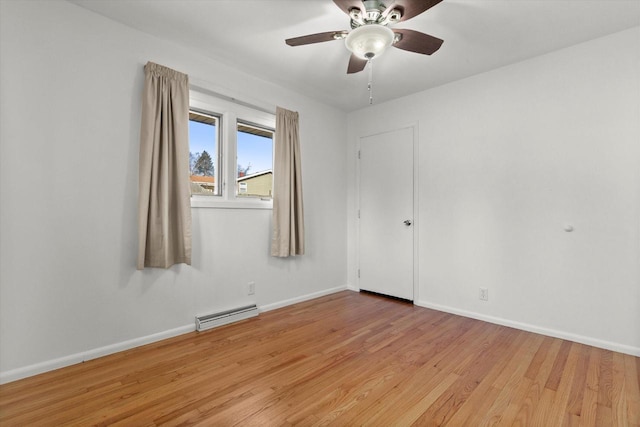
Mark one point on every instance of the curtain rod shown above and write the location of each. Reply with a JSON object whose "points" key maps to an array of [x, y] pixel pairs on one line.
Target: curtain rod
{"points": [[200, 88]]}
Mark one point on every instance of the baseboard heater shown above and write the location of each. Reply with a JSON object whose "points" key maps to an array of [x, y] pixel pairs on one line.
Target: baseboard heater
{"points": [[225, 317]]}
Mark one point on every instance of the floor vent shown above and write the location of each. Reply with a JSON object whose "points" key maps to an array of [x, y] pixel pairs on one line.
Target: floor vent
{"points": [[225, 317]]}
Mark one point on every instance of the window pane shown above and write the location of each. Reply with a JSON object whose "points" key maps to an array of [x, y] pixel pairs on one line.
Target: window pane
{"points": [[255, 161], [203, 153]]}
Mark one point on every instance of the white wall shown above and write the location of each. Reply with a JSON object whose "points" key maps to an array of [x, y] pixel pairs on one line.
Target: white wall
{"points": [[506, 160], [71, 83]]}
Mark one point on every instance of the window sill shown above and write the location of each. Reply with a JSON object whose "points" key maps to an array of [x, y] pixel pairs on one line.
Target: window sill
{"points": [[219, 203]]}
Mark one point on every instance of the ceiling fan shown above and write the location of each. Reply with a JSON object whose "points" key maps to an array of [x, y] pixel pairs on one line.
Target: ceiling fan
{"points": [[370, 33]]}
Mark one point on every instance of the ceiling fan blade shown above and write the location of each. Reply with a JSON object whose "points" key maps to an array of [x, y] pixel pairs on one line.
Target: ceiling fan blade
{"points": [[410, 8], [347, 5], [316, 38], [415, 41], [356, 64]]}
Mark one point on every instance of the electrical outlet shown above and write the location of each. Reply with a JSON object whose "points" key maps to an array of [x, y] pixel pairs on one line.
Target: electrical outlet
{"points": [[251, 288], [484, 294]]}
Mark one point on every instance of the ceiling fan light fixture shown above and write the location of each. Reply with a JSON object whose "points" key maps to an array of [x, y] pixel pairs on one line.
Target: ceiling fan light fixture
{"points": [[369, 41]]}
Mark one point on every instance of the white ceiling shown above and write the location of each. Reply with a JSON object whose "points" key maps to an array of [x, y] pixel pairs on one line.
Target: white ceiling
{"points": [[479, 35]]}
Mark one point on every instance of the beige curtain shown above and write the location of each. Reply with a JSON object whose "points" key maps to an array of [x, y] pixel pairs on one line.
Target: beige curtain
{"points": [[288, 214], [164, 211]]}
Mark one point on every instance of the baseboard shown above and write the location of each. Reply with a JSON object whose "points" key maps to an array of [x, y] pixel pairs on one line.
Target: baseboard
{"points": [[50, 365], [608, 345], [290, 301]]}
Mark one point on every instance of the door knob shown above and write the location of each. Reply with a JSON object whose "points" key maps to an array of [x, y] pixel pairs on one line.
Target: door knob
{"points": [[407, 222]]}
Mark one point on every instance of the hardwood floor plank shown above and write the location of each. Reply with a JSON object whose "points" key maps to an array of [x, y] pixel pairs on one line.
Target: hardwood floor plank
{"points": [[563, 385], [413, 412], [544, 361], [419, 377], [590, 399], [558, 366], [588, 416], [574, 405], [605, 379], [541, 412], [478, 403], [344, 359], [410, 396], [619, 404], [510, 381], [603, 416], [450, 402], [632, 385], [540, 357]]}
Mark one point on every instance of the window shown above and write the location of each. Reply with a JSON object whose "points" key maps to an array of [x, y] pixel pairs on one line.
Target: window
{"points": [[255, 160], [204, 153], [229, 168]]}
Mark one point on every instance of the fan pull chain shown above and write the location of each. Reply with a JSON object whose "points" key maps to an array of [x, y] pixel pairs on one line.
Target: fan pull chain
{"points": [[370, 84]]}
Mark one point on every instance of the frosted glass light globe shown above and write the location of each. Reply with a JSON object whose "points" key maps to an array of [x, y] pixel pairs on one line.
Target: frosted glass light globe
{"points": [[369, 41]]}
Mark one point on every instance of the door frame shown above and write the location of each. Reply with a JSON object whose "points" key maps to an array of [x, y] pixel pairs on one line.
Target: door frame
{"points": [[416, 223]]}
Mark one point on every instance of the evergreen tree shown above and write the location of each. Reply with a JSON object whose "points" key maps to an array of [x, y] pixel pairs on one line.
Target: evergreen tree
{"points": [[203, 166]]}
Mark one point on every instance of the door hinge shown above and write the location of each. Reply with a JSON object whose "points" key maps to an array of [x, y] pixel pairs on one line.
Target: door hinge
{"points": [[358, 213], [358, 154], [358, 273]]}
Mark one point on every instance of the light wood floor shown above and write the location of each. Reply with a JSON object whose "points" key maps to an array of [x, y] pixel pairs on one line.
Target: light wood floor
{"points": [[345, 359]]}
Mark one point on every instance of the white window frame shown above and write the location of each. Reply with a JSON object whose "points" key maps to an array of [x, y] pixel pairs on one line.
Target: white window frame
{"points": [[215, 153], [230, 113]]}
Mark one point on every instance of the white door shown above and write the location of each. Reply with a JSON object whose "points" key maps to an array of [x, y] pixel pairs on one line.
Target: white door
{"points": [[386, 213]]}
